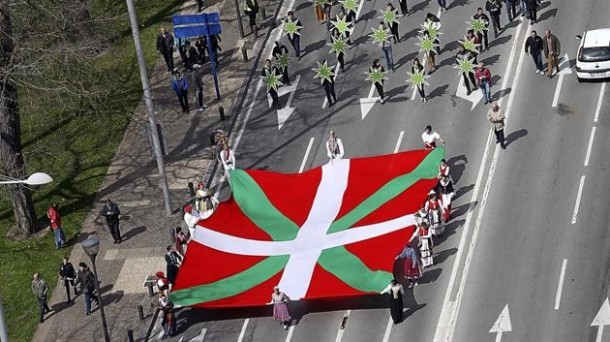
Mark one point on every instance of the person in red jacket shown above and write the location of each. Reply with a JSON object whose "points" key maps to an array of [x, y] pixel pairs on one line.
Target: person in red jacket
{"points": [[483, 77], [56, 227]]}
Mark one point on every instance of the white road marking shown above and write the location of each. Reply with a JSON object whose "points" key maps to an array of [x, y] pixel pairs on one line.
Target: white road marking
{"points": [[400, 136], [602, 319], [242, 333], [578, 196], [290, 332], [367, 103], [590, 147], [502, 324], [564, 69], [599, 102], [557, 91], [562, 275], [450, 309], [341, 331], [306, 155], [284, 113], [360, 6], [388, 330]]}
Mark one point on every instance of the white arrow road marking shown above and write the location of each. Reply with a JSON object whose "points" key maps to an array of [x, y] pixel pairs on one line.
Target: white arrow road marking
{"points": [[564, 69], [578, 197], [562, 275], [359, 9], [367, 103], [475, 96], [284, 113], [325, 103], [502, 324], [242, 333], [602, 319]]}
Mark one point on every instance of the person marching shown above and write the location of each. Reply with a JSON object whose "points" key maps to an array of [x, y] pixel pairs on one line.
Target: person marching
{"points": [[445, 189], [483, 77], [552, 49], [494, 8], [295, 39], [269, 68], [386, 47], [334, 146], [181, 241], [378, 85], [482, 35], [429, 137], [393, 25], [425, 243], [396, 291], [173, 261], [404, 9], [278, 50], [443, 169], [496, 117], [468, 77], [280, 309], [251, 10], [227, 158], [431, 55], [329, 89], [418, 67], [168, 319], [471, 36], [411, 264], [340, 56], [435, 210], [535, 45]]}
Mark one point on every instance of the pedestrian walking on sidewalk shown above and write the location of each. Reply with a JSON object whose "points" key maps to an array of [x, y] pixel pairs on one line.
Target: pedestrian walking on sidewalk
{"points": [[386, 47], [483, 38], [468, 77], [280, 308], [329, 90], [111, 212], [55, 222], [404, 8], [511, 9], [180, 85], [173, 260], [411, 264], [396, 291], [191, 56], [430, 137], [86, 280], [165, 46], [334, 146], [496, 117], [552, 50], [376, 67], [251, 9], [39, 289], [202, 46], [418, 67], [483, 77], [494, 8], [295, 39], [67, 275], [534, 44], [198, 82]]}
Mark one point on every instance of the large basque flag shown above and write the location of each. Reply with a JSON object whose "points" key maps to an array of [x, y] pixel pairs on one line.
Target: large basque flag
{"points": [[330, 232]]}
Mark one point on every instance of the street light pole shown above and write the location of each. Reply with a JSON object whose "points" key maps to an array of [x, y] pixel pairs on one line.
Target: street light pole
{"points": [[91, 245], [149, 106]]}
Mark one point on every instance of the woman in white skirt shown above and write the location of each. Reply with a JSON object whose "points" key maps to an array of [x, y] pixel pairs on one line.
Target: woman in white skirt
{"points": [[425, 244]]}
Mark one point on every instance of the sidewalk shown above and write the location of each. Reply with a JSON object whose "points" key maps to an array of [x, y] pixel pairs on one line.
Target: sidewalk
{"points": [[133, 183]]}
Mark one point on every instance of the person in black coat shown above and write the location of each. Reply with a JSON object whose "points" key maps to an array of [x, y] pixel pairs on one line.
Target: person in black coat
{"points": [[534, 45], [270, 69], [251, 9], [482, 36], [214, 40], [165, 46], [202, 45], [280, 49], [173, 260], [494, 8], [111, 212], [329, 90], [67, 275], [192, 57], [532, 10]]}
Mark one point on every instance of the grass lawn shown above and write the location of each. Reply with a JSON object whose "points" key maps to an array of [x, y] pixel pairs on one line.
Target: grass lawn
{"points": [[75, 147]]}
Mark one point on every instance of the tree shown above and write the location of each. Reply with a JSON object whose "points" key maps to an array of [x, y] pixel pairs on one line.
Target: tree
{"points": [[44, 45]]}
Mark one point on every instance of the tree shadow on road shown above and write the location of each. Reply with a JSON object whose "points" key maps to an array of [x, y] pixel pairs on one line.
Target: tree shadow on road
{"points": [[514, 136]]}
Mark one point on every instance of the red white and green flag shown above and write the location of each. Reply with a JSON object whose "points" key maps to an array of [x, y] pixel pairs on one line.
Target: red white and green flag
{"points": [[330, 232]]}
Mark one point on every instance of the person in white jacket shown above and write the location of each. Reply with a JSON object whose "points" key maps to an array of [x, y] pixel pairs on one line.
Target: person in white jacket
{"points": [[334, 146], [227, 158]]}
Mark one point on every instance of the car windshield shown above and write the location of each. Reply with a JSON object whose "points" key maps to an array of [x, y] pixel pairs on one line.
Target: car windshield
{"points": [[595, 54]]}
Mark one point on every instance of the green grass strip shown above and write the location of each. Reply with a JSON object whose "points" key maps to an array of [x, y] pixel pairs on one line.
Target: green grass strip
{"points": [[352, 271], [427, 169], [254, 203], [233, 285]]}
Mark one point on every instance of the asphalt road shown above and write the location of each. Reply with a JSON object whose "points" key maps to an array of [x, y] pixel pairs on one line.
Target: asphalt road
{"points": [[512, 220]]}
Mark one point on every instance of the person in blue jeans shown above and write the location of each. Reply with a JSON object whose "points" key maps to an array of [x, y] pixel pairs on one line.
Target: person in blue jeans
{"points": [[523, 7], [534, 45], [86, 280], [483, 77], [387, 49], [181, 86], [442, 4], [295, 39], [511, 9]]}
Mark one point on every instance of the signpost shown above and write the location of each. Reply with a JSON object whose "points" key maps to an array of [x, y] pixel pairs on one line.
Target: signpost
{"points": [[200, 25]]}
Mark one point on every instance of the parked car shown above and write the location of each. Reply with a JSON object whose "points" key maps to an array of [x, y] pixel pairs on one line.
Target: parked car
{"points": [[593, 61]]}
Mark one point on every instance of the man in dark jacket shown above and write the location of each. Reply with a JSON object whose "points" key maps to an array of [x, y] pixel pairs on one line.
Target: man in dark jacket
{"points": [[532, 7], [202, 45], [534, 45], [111, 212], [482, 36], [191, 55], [295, 39], [173, 261], [67, 275], [251, 10], [494, 8], [165, 46], [269, 68], [198, 83], [86, 280], [40, 289], [552, 49], [329, 90], [181, 87]]}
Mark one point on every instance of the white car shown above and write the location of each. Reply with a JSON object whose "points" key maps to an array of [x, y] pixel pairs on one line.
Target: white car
{"points": [[593, 61]]}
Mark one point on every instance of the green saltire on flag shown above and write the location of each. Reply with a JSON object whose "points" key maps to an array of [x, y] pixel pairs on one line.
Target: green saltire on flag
{"points": [[291, 27], [324, 71], [376, 76], [465, 65], [271, 80], [418, 78], [338, 45], [380, 35]]}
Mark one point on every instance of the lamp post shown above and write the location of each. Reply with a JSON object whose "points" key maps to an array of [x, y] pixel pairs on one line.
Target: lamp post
{"points": [[92, 247], [37, 178]]}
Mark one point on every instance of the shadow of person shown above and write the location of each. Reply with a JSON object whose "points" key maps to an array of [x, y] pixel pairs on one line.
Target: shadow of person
{"points": [[514, 136]]}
